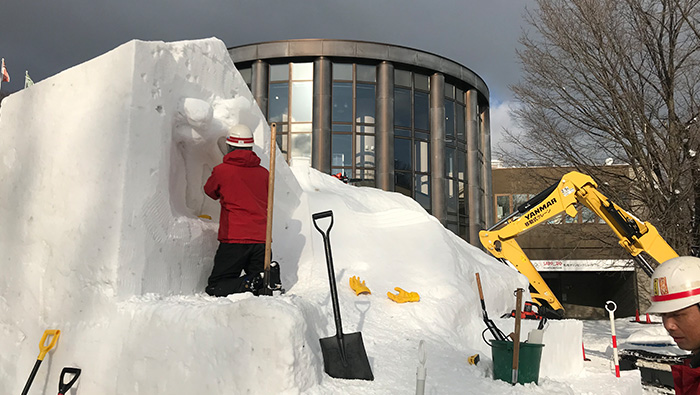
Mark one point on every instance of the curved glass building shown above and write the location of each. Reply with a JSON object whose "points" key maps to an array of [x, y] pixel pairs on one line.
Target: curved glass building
{"points": [[386, 116]]}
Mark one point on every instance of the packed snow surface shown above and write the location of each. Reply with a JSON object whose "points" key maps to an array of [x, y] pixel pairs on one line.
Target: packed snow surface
{"points": [[100, 201]]}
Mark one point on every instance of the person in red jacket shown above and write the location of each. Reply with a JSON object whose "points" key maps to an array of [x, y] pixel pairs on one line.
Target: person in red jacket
{"points": [[240, 184], [676, 296]]}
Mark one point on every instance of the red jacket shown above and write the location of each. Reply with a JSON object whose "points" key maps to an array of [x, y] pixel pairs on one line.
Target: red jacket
{"points": [[240, 185], [686, 378]]}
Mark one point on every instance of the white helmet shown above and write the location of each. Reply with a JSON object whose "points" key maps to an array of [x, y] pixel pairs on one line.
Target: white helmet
{"points": [[240, 136], [675, 285]]}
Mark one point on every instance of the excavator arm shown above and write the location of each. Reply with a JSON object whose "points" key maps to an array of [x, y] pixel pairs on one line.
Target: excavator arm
{"points": [[634, 235]]}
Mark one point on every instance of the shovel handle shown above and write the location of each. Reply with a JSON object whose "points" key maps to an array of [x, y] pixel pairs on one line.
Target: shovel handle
{"points": [[321, 215], [43, 348], [270, 202], [478, 284], [63, 387], [331, 273], [516, 338]]}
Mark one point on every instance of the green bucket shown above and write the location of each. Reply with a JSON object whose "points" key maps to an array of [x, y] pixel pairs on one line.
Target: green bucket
{"points": [[528, 361]]}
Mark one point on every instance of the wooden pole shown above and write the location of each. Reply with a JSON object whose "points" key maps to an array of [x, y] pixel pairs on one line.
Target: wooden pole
{"points": [[270, 199], [516, 334]]}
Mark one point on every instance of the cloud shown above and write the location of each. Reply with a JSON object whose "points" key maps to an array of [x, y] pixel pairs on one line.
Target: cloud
{"points": [[501, 119]]}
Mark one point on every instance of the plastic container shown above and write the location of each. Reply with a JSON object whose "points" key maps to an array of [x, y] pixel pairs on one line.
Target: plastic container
{"points": [[528, 361]]}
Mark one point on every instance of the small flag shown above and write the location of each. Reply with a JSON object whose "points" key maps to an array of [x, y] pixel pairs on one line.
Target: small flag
{"points": [[5, 74], [27, 79]]}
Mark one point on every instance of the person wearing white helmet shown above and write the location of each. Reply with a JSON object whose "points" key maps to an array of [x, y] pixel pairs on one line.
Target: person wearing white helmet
{"points": [[675, 288], [240, 184]]}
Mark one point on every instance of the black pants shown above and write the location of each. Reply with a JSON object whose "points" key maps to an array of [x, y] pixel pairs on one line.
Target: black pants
{"points": [[230, 261]]}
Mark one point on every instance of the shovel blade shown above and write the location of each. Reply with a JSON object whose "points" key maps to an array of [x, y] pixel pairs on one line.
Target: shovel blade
{"points": [[353, 365]]}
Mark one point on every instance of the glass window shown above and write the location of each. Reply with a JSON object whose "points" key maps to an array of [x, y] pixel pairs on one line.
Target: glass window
{"points": [[302, 71], [422, 191], [342, 128], [402, 183], [421, 82], [365, 103], [402, 77], [365, 150], [342, 102], [402, 154], [459, 121], [459, 95], [342, 71], [279, 72], [450, 162], [301, 127], [278, 103], [449, 119], [422, 111], [302, 101], [365, 129], [366, 73], [424, 136], [451, 196], [365, 174], [402, 107], [502, 206], [461, 165], [341, 146], [301, 145], [449, 91], [402, 132], [462, 201], [422, 156]]}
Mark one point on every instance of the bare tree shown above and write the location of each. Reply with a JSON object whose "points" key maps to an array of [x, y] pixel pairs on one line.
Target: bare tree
{"points": [[617, 79]]}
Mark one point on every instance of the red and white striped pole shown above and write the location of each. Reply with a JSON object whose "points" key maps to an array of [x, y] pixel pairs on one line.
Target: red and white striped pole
{"points": [[610, 306]]}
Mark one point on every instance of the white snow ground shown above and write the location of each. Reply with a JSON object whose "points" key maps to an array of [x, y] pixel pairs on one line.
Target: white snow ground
{"points": [[100, 193]]}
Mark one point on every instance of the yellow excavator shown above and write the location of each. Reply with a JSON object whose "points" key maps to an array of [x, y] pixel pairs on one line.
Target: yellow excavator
{"points": [[634, 235]]}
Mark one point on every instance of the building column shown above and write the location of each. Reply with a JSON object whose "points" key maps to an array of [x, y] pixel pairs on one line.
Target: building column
{"points": [[259, 84], [473, 167], [438, 182], [321, 127], [384, 133], [487, 178]]}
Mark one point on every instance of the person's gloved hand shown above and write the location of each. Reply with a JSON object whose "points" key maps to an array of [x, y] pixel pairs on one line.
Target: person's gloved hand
{"points": [[359, 287], [403, 296]]}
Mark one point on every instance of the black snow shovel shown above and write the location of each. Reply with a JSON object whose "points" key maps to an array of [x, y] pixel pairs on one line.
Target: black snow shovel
{"points": [[344, 355]]}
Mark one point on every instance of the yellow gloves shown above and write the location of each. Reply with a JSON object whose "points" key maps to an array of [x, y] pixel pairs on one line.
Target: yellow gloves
{"points": [[359, 287], [403, 296]]}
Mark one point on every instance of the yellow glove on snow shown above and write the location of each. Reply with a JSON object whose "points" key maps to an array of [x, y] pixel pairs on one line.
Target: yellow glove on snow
{"points": [[403, 296], [359, 287]]}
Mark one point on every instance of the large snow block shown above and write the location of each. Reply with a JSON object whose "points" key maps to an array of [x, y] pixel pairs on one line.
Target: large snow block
{"points": [[101, 184], [236, 345], [562, 354]]}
